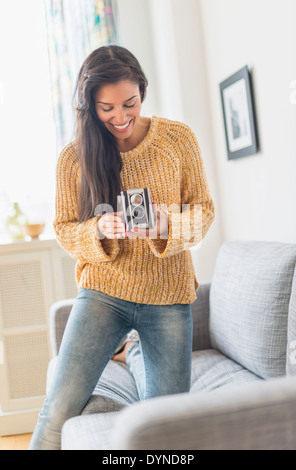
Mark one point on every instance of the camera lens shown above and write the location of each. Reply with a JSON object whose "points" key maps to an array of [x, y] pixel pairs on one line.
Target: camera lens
{"points": [[136, 199], [138, 212]]}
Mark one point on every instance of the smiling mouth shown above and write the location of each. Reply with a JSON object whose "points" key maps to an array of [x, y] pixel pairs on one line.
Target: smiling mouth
{"points": [[122, 128]]}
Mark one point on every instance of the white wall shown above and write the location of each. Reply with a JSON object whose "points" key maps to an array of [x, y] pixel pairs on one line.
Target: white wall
{"points": [[258, 193], [135, 34], [188, 44], [189, 48], [168, 42], [27, 130]]}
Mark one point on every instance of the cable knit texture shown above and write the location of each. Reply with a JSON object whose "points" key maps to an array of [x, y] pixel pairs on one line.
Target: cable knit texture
{"points": [[147, 271]]}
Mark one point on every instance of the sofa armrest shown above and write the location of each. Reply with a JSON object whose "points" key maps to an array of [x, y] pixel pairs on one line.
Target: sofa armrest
{"points": [[257, 415], [200, 314], [58, 317]]}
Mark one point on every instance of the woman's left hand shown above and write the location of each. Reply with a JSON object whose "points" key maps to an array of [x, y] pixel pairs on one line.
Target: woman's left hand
{"points": [[160, 229]]}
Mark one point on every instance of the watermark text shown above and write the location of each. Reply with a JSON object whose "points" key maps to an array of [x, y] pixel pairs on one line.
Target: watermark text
{"points": [[185, 223]]}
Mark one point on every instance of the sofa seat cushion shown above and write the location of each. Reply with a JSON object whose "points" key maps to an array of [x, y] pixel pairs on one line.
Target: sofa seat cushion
{"points": [[117, 388], [249, 304], [91, 432], [211, 370]]}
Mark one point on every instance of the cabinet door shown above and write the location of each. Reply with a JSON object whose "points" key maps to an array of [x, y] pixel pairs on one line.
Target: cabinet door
{"points": [[26, 294], [64, 274]]}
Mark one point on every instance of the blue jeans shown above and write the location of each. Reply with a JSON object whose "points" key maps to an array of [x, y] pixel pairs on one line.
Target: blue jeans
{"points": [[160, 363]]}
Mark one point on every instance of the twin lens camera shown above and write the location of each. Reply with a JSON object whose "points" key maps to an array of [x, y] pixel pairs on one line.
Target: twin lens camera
{"points": [[137, 208]]}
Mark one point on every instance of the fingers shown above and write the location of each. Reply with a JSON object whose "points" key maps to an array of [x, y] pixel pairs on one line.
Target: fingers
{"points": [[131, 234], [154, 207], [112, 226], [116, 215]]}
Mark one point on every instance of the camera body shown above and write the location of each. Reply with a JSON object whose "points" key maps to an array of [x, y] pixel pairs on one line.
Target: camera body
{"points": [[137, 208]]}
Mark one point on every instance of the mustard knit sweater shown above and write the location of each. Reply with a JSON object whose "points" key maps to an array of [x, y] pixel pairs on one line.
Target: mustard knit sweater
{"points": [[148, 271]]}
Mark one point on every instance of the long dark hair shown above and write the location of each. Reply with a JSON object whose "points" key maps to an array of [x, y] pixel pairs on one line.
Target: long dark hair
{"points": [[100, 159]]}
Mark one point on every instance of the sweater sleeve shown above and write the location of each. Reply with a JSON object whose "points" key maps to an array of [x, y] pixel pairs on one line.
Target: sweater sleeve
{"points": [[189, 223], [81, 240]]}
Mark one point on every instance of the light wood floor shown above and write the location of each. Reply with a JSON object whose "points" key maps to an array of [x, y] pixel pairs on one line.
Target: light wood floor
{"points": [[20, 442]]}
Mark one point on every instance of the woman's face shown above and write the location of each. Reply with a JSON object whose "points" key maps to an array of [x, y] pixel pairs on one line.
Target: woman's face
{"points": [[117, 106]]}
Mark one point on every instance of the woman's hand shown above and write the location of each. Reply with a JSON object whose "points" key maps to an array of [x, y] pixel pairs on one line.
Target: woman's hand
{"points": [[111, 225], [160, 229]]}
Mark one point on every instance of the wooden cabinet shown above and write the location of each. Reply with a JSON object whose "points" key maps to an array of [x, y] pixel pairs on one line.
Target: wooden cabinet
{"points": [[33, 275]]}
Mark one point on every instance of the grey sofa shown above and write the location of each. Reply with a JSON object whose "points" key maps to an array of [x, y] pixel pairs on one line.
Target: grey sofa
{"points": [[243, 391]]}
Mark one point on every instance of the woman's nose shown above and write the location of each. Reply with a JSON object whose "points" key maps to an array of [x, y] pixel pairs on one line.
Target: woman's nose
{"points": [[120, 116]]}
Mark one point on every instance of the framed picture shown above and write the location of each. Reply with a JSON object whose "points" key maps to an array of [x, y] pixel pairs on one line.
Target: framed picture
{"points": [[239, 115]]}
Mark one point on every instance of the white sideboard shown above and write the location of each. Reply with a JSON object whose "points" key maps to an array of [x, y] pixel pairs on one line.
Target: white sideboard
{"points": [[33, 275]]}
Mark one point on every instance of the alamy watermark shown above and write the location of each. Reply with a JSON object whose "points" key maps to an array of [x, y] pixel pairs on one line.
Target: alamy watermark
{"points": [[186, 224]]}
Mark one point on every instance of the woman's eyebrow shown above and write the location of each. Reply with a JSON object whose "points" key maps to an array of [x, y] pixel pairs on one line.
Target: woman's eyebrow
{"points": [[126, 101]]}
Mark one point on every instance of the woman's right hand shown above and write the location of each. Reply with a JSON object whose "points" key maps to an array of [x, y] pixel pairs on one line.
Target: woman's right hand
{"points": [[111, 225]]}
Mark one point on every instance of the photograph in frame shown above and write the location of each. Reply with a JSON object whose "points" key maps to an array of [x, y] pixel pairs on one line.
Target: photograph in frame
{"points": [[239, 115]]}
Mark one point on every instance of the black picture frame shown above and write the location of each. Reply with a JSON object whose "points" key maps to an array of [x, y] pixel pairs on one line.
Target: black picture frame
{"points": [[239, 115]]}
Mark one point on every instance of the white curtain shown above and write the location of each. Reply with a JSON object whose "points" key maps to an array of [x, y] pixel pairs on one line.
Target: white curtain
{"points": [[74, 29]]}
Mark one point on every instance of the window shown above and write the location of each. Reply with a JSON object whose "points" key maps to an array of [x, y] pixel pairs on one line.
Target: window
{"points": [[27, 133]]}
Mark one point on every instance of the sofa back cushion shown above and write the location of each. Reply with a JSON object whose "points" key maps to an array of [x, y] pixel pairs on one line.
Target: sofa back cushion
{"points": [[291, 350], [249, 304]]}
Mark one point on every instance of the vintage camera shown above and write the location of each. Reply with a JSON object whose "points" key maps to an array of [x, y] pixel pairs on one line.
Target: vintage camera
{"points": [[137, 208]]}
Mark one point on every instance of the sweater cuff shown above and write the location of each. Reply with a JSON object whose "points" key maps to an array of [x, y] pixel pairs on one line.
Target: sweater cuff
{"points": [[163, 248], [104, 250]]}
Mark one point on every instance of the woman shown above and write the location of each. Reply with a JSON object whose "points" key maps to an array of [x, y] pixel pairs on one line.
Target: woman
{"points": [[142, 280]]}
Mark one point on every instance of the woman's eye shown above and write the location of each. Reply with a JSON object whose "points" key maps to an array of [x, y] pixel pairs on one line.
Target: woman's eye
{"points": [[126, 106]]}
